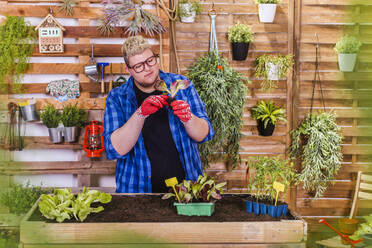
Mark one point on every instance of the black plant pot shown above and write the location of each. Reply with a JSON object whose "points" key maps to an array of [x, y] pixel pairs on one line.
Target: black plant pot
{"points": [[240, 51], [268, 131]]}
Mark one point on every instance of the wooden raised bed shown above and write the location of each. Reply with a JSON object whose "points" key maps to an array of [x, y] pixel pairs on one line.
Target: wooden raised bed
{"points": [[283, 233]]}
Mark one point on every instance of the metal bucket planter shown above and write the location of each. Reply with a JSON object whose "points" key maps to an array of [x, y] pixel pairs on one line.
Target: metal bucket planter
{"points": [[70, 133], [29, 112], [266, 12], [190, 15], [195, 209], [55, 135], [346, 62]]}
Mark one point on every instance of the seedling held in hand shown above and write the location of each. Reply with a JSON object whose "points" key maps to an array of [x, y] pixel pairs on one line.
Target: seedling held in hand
{"points": [[174, 88]]}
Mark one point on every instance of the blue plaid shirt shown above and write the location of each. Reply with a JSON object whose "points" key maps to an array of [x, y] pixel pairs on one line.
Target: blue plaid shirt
{"points": [[133, 170]]}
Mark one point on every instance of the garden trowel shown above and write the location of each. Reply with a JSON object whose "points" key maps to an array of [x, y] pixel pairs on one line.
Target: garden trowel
{"points": [[171, 182], [279, 187]]}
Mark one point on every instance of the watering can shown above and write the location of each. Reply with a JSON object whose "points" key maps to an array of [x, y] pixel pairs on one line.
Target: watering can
{"points": [[92, 70]]}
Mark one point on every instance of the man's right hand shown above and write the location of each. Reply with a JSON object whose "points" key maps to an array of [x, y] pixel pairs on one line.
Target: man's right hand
{"points": [[152, 104]]}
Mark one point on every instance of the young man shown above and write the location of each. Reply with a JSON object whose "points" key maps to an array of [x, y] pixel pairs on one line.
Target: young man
{"points": [[151, 140]]}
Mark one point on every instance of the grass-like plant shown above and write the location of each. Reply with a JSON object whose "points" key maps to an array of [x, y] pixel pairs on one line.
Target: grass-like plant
{"points": [[317, 143], [223, 91], [72, 116], [347, 45], [267, 111], [240, 33], [195, 6], [50, 116], [284, 62], [16, 46], [267, 1]]}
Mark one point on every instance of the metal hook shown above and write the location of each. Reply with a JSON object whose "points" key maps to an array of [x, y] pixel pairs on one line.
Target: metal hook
{"points": [[212, 11], [50, 9]]}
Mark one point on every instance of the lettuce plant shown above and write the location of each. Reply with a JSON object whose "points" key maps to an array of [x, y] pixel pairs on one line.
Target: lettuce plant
{"points": [[365, 228], [204, 189]]}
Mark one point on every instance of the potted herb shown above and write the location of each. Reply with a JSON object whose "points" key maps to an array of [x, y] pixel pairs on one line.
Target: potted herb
{"points": [[51, 119], [317, 143], [197, 198], [272, 68], [267, 10], [267, 114], [261, 174], [72, 118], [187, 10], [240, 35], [347, 48]]}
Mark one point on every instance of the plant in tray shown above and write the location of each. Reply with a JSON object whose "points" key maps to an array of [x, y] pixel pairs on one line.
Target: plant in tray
{"points": [[63, 204], [272, 68], [347, 48], [197, 197], [267, 115], [240, 35], [317, 143], [261, 174], [188, 10]]}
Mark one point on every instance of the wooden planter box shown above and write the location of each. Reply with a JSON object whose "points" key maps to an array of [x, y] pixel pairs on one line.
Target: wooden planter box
{"points": [[284, 233]]}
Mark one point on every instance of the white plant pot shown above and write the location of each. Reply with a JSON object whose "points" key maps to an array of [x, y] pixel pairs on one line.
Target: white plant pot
{"points": [[266, 12], [346, 62], [190, 14], [272, 71]]}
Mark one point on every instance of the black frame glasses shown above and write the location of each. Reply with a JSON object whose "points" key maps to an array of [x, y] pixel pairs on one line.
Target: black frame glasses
{"points": [[151, 61]]}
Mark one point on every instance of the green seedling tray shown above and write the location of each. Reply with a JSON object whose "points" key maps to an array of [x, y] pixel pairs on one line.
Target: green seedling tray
{"points": [[195, 209]]}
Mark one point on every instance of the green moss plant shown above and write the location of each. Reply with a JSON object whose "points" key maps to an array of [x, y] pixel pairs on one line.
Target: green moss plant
{"points": [[50, 116], [347, 45], [223, 91], [317, 144], [16, 46], [73, 116], [240, 33]]}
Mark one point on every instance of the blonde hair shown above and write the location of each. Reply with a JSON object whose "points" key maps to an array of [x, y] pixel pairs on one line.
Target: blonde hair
{"points": [[132, 46]]}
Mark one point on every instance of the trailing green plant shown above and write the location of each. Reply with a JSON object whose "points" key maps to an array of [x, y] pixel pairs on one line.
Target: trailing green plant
{"points": [[73, 116], [317, 143], [20, 198], [347, 44], [205, 189], [130, 16], [50, 116], [267, 1], [267, 111], [240, 33], [68, 7], [223, 91], [284, 62], [16, 46], [195, 6], [365, 228], [262, 172], [63, 204]]}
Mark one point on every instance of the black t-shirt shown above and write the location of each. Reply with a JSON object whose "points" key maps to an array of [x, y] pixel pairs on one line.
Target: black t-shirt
{"points": [[160, 146]]}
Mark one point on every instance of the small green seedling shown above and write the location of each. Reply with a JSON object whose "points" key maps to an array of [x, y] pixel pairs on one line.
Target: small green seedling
{"points": [[279, 187], [171, 182]]}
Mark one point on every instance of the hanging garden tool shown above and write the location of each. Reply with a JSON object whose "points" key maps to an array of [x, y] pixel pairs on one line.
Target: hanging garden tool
{"points": [[171, 182], [8, 139], [111, 79], [279, 187], [121, 79], [91, 69], [103, 65]]}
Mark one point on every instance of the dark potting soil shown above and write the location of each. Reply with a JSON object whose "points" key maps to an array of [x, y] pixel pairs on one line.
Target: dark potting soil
{"points": [[151, 208]]}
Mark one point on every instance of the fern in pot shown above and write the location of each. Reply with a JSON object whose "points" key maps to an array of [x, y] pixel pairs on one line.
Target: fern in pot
{"points": [[267, 114], [187, 10], [267, 10], [51, 118], [317, 144], [347, 48], [240, 35], [272, 68], [72, 118]]}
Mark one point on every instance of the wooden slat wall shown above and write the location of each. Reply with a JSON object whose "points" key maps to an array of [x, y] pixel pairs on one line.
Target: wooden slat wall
{"points": [[84, 13], [346, 93]]}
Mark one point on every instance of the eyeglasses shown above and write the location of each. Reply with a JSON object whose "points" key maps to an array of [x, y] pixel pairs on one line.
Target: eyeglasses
{"points": [[139, 67]]}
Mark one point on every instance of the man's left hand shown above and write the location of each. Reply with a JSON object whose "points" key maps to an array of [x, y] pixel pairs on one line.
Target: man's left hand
{"points": [[182, 110]]}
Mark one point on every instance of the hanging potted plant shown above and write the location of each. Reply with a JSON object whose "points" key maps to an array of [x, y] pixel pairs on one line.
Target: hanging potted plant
{"points": [[187, 10], [267, 10], [317, 143], [267, 114], [272, 68], [240, 35], [261, 174], [197, 198], [72, 118], [51, 119], [347, 48]]}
